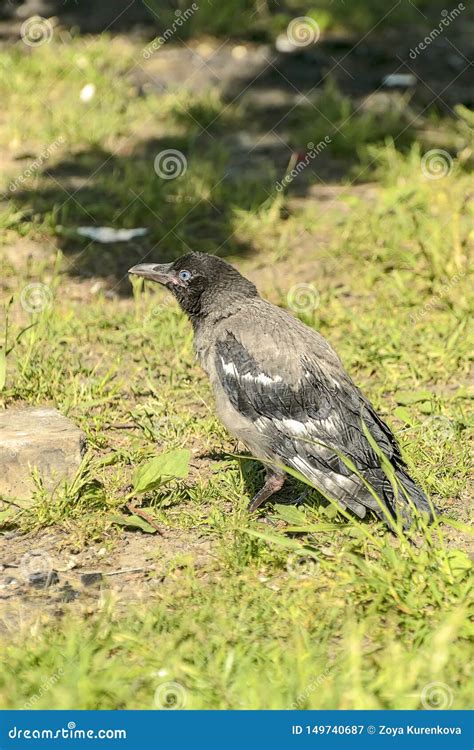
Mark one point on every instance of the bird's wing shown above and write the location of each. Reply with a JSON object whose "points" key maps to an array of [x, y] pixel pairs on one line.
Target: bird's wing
{"points": [[309, 421]]}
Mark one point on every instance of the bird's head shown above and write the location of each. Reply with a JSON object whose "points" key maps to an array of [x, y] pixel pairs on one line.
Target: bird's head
{"points": [[200, 282]]}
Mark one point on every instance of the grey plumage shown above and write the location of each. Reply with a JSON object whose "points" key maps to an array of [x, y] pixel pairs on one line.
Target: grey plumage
{"points": [[283, 391]]}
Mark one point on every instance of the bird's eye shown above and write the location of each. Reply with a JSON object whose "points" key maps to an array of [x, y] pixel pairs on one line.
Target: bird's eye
{"points": [[185, 275]]}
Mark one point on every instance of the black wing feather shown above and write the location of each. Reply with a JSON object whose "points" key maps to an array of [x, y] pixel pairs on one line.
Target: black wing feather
{"points": [[318, 402]]}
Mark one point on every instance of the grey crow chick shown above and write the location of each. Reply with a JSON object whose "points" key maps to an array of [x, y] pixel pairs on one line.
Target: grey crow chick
{"points": [[282, 390]]}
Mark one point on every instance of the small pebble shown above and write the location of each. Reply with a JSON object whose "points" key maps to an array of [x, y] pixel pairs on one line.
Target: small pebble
{"points": [[8, 581], [239, 51], [399, 80], [89, 579], [68, 594], [87, 93], [283, 44], [42, 580]]}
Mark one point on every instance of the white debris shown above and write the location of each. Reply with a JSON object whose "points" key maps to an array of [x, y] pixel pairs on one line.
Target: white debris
{"points": [[109, 234], [239, 52], [88, 92], [284, 44], [81, 61], [97, 287], [399, 80]]}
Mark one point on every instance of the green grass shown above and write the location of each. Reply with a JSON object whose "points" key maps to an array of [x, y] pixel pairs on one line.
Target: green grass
{"points": [[256, 20], [367, 621], [359, 634]]}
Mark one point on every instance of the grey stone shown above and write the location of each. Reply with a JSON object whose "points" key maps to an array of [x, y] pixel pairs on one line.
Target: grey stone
{"points": [[67, 594], [43, 580], [91, 579], [36, 438]]}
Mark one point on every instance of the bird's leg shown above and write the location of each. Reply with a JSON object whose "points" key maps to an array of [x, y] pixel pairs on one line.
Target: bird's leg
{"points": [[274, 481]]}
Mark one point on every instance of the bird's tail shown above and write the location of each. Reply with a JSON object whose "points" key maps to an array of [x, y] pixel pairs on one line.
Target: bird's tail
{"points": [[410, 497]]}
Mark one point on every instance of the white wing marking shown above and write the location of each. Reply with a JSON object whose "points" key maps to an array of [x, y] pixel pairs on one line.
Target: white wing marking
{"points": [[262, 378], [229, 368]]}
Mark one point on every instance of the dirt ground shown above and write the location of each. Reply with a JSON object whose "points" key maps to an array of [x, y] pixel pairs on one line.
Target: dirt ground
{"points": [[42, 577]]}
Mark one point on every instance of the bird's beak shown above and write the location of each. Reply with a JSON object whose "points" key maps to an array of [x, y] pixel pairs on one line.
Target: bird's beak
{"points": [[160, 272]]}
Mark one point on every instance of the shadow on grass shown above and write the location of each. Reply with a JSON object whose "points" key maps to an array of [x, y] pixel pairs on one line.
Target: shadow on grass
{"points": [[227, 159], [193, 210], [191, 190], [233, 19]]}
